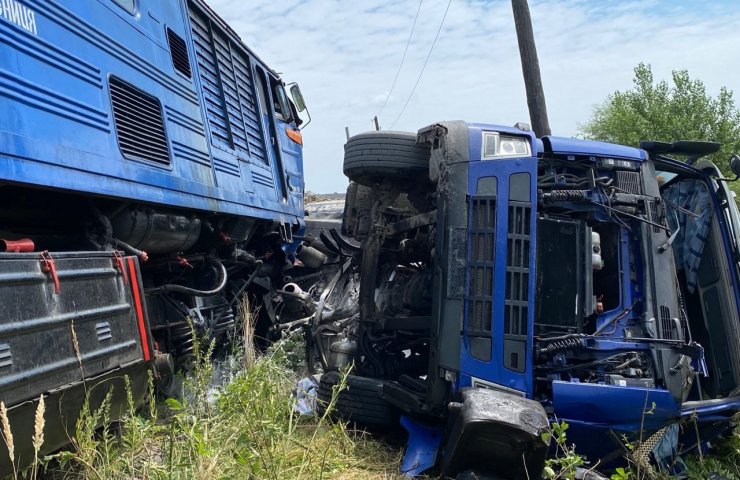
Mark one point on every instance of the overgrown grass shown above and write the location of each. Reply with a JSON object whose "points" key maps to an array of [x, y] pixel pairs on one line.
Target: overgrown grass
{"points": [[248, 432], [723, 460], [247, 429]]}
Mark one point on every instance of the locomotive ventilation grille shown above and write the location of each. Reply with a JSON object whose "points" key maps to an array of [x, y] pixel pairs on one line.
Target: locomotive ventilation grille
{"points": [[229, 81], [139, 124], [179, 52]]}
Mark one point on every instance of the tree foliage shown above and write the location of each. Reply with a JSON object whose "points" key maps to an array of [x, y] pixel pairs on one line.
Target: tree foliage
{"points": [[668, 112]]}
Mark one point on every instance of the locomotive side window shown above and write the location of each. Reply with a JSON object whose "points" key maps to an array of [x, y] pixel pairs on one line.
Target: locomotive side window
{"points": [[282, 107], [128, 5]]}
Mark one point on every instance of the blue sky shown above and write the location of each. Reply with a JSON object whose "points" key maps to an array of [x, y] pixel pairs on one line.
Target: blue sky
{"points": [[344, 55]]}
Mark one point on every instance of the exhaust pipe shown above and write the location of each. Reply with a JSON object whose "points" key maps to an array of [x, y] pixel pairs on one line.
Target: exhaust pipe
{"points": [[24, 245], [292, 288], [310, 256]]}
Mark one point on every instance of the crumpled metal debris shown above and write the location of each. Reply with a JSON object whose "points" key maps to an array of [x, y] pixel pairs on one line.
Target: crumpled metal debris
{"points": [[305, 395]]}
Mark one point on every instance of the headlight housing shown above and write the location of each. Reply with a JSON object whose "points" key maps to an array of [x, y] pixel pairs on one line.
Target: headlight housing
{"points": [[496, 145]]}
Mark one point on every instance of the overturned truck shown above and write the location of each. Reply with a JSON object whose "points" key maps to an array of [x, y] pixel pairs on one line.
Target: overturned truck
{"points": [[486, 281]]}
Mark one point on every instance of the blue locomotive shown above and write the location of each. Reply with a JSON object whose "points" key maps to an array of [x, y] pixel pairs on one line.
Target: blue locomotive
{"points": [[151, 174]]}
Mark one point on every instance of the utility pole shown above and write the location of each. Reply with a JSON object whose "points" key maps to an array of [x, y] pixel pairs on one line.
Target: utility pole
{"points": [[530, 68]]}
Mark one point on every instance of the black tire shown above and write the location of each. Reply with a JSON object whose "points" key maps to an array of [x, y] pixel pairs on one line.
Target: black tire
{"points": [[374, 158], [360, 402], [171, 386]]}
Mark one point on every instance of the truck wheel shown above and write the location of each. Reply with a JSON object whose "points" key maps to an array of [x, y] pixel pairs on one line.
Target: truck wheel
{"points": [[356, 219], [359, 402], [373, 158]]}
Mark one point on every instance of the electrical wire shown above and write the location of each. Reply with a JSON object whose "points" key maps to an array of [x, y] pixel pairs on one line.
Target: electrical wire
{"points": [[431, 49], [403, 59]]}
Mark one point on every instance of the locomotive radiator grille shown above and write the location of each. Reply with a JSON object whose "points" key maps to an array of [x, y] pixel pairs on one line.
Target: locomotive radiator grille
{"points": [[229, 88], [179, 52], [139, 124]]}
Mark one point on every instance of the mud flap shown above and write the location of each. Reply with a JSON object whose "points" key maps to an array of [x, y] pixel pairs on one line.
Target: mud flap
{"points": [[497, 432]]}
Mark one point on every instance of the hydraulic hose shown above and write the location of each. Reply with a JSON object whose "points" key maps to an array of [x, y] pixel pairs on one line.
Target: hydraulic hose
{"points": [[247, 283], [173, 287]]}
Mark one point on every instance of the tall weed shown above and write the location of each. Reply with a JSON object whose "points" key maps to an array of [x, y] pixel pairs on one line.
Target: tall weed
{"points": [[246, 429]]}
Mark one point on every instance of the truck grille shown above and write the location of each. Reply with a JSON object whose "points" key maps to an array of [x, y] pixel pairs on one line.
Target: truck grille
{"points": [[654, 217], [139, 125], [629, 182], [516, 303], [481, 237], [666, 323]]}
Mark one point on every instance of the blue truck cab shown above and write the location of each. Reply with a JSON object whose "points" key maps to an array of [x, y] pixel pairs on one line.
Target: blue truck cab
{"points": [[151, 175], [561, 279]]}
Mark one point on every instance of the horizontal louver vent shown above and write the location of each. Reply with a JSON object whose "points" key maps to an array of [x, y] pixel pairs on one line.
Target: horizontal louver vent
{"points": [[6, 358], [179, 52], [103, 331], [226, 76], [139, 124]]}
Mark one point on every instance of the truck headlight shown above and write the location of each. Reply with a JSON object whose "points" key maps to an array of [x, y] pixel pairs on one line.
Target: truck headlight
{"points": [[496, 145]]}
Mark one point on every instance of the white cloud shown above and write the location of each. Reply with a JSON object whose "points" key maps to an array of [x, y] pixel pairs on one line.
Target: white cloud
{"points": [[345, 55]]}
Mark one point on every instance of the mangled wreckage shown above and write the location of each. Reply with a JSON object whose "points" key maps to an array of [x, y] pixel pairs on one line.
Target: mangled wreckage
{"points": [[482, 282]]}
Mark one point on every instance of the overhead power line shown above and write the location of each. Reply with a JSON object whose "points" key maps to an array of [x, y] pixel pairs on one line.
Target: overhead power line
{"points": [[403, 58], [431, 49]]}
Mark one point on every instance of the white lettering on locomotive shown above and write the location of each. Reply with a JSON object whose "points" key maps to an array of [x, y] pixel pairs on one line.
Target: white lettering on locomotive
{"points": [[15, 12]]}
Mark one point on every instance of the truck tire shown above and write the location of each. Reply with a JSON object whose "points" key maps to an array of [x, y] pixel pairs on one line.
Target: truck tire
{"points": [[374, 158], [356, 218], [360, 402]]}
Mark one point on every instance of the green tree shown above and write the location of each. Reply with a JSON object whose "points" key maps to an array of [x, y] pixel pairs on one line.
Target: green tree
{"points": [[668, 112]]}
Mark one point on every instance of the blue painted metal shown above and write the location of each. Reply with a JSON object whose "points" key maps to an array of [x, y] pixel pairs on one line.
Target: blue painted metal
{"points": [[707, 410], [57, 128], [599, 416], [616, 407], [421, 448], [494, 370], [573, 146]]}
